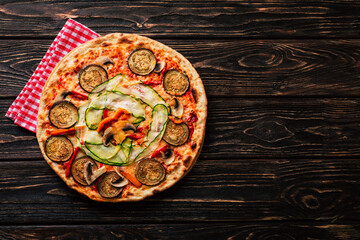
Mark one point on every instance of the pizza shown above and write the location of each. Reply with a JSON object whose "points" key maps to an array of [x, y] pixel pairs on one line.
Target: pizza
{"points": [[122, 117]]}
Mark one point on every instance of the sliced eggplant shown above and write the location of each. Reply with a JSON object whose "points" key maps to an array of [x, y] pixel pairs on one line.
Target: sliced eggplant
{"points": [[58, 148], [91, 76], [175, 82], [176, 134], [142, 61], [150, 172], [80, 166], [105, 185], [63, 114]]}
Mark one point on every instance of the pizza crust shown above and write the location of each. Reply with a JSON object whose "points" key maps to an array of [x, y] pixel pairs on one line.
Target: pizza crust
{"points": [[133, 194]]}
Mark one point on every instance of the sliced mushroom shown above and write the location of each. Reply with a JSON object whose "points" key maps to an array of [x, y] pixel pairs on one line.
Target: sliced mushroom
{"points": [[105, 187], [176, 134], [62, 95], [175, 82], [58, 148], [142, 61], [108, 135], [91, 76], [105, 61], [129, 127], [79, 168], [91, 175], [159, 67], [150, 172], [121, 182], [177, 108], [63, 114], [168, 156]]}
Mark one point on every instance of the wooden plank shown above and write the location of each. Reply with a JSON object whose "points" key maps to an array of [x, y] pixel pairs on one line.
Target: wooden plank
{"points": [[185, 19], [199, 231], [236, 68], [231, 190], [247, 128]]}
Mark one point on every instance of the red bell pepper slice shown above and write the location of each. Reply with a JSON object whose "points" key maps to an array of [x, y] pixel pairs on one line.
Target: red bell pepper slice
{"points": [[79, 94], [68, 166], [57, 132], [158, 151]]}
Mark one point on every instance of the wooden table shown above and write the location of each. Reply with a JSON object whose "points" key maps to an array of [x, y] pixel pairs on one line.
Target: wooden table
{"points": [[281, 154]]}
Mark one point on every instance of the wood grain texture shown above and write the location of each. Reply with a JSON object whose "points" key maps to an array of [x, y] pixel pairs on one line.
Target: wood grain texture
{"points": [[282, 148], [237, 68], [231, 190], [247, 128], [253, 231], [185, 18]]}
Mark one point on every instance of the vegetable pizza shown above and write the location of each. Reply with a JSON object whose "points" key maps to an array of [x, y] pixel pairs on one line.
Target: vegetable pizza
{"points": [[122, 117]]}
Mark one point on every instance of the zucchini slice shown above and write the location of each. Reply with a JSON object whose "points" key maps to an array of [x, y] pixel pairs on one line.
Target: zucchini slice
{"points": [[176, 82], [93, 137], [155, 133], [83, 132], [63, 114], [78, 169], [118, 159], [97, 90], [94, 112], [80, 126], [135, 152], [143, 92], [126, 148], [105, 187], [108, 85], [176, 134], [116, 100], [91, 155], [93, 117], [99, 102], [138, 91], [102, 151], [91, 76], [150, 172], [58, 148], [142, 61], [81, 114]]}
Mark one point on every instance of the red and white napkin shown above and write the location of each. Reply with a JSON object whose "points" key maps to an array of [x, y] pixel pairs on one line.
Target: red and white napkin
{"points": [[25, 107]]}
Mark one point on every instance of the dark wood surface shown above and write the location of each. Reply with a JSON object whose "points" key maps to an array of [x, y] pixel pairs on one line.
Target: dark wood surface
{"points": [[239, 68], [281, 158]]}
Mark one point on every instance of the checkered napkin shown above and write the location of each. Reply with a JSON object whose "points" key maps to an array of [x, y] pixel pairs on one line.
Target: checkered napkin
{"points": [[25, 107]]}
